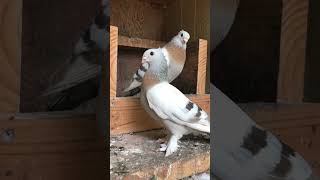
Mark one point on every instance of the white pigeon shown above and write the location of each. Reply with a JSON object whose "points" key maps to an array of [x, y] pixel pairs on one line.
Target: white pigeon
{"points": [[175, 54], [167, 104], [244, 150]]}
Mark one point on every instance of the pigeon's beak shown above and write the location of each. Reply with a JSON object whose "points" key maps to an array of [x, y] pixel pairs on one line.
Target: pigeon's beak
{"points": [[144, 59], [185, 40]]}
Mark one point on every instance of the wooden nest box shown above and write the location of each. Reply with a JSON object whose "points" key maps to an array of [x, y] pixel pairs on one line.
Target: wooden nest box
{"points": [[151, 24]]}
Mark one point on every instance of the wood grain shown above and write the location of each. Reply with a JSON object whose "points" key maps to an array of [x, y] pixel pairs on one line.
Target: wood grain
{"points": [[51, 146], [127, 115], [139, 43], [138, 19], [293, 51], [113, 60], [177, 170], [48, 127], [10, 54], [202, 67]]}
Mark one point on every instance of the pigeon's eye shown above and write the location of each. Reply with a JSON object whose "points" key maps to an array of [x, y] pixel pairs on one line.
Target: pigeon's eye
{"points": [[181, 35], [151, 53]]}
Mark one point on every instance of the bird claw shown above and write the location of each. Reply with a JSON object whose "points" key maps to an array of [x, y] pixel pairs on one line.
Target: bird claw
{"points": [[163, 147]]}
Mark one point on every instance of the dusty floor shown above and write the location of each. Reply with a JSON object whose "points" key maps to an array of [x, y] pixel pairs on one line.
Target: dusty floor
{"points": [[133, 152]]}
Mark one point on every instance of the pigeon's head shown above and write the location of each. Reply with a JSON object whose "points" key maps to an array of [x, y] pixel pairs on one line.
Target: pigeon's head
{"points": [[153, 56], [183, 36]]}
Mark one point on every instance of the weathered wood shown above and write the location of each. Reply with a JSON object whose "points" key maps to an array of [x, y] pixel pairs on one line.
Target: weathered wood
{"points": [[113, 60], [139, 43], [127, 115], [293, 51], [202, 67], [10, 54], [136, 156]]}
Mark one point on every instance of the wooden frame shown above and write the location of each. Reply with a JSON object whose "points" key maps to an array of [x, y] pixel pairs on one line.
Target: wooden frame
{"points": [[126, 113]]}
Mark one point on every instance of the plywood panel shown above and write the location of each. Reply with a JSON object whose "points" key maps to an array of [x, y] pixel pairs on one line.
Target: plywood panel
{"points": [[10, 54], [293, 51]]}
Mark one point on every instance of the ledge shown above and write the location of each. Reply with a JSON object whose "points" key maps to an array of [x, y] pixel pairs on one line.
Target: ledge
{"points": [[136, 156]]}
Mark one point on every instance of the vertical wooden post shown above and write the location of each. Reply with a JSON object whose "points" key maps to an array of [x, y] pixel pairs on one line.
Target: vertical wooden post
{"points": [[113, 60], [10, 54], [293, 51], [202, 67]]}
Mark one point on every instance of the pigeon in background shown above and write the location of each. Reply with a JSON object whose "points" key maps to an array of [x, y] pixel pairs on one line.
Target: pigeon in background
{"points": [[244, 150], [175, 54], [83, 72], [165, 103]]}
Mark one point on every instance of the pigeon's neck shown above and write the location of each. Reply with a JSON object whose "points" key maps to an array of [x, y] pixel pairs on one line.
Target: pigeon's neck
{"points": [[177, 42], [157, 73]]}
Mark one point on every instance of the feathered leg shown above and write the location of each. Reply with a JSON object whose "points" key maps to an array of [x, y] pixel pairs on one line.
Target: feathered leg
{"points": [[172, 145]]}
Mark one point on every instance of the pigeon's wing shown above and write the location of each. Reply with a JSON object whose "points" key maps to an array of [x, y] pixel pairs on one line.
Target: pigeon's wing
{"points": [[136, 80], [170, 104]]}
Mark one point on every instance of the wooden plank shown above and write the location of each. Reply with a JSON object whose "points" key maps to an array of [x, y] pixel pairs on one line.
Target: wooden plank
{"points": [[139, 43], [293, 51], [82, 166], [113, 60], [46, 128], [275, 116], [127, 115], [10, 54], [202, 67]]}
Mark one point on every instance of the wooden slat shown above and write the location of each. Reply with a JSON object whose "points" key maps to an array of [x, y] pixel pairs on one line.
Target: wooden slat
{"points": [[293, 50], [202, 67], [275, 116], [139, 43], [47, 128], [10, 54], [127, 115], [113, 60]]}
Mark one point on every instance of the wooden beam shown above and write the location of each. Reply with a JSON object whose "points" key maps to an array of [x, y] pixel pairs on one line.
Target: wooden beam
{"points": [[293, 51], [202, 67], [10, 54], [113, 60], [274, 116], [139, 43], [127, 115]]}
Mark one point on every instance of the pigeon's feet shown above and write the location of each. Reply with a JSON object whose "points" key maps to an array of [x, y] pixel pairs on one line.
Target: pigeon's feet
{"points": [[172, 145], [163, 147]]}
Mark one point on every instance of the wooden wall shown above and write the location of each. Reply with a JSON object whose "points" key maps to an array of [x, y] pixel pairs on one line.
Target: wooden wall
{"points": [[51, 147], [10, 54], [138, 18]]}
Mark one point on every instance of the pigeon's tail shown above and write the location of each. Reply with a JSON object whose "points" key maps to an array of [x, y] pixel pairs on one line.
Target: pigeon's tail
{"points": [[244, 150]]}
